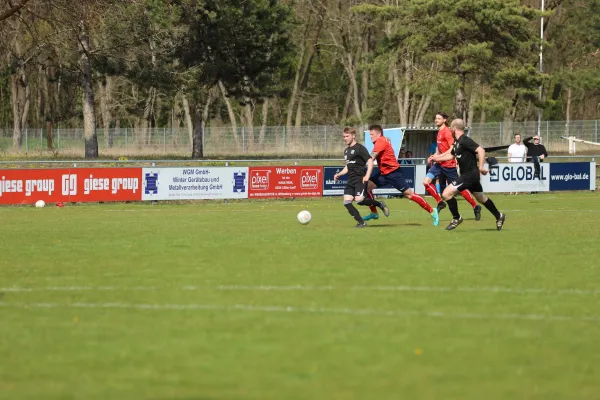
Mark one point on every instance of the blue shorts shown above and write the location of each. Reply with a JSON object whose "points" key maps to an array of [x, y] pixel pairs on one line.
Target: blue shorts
{"points": [[437, 171], [395, 179]]}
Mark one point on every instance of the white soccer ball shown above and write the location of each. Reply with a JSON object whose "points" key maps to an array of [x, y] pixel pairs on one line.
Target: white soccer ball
{"points": [[40, 203], [304, 217]]}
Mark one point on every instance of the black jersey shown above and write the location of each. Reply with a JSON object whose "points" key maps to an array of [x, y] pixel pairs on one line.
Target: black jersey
{"points": [[466, 156], [356, 159]]}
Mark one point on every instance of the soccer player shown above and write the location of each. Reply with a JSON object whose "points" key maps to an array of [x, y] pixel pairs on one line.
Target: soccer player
{"points": [[389, 171], [466, 151], [445, 171], [357, 157]]}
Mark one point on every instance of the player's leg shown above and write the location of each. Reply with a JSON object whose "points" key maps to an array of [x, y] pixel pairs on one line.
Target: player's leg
{"points": [[452, 175], [374, 182], [374, 213], [365, 201], [396, 179], [489, 204], [433, 172], [349, 192], [369, 193], [442, 182], [449, 194]]}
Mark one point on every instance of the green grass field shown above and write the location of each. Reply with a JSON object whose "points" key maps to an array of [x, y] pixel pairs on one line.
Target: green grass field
{"points": [[239, 301]]}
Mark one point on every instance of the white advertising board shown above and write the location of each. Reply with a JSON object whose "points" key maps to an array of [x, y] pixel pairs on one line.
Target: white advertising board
{"points": [[195, 183], [516, 177]]}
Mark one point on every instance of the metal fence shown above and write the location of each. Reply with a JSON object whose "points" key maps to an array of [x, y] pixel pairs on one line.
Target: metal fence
{"points": [[272, 140]]}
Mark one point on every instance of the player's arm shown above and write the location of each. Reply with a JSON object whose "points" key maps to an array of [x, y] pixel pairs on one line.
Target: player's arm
{"points": [[369, 170], [481, 158], [377, 149], [445, 156], [341, 173]]}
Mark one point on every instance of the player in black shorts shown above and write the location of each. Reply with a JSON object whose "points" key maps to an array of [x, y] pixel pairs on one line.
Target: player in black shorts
{"points": [[357, 157], [466, 151]]}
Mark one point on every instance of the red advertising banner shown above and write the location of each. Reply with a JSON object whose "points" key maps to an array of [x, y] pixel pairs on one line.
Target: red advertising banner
{"points": [[273, 182], [26, 186]]}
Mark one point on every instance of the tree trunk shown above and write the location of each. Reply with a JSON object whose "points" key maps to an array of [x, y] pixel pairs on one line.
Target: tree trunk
{"points": [[41, 104], [402, 110], [188, 118], [232, 118], [460, 104], [176, 114], [351, 70], [197, 140], [294, 96], [298, 126], [407, 80], [105, 89], [422, 110], [148, 117], [507, 124], [49, 134], [20, 104], [248, 114], [472, 101], [482, 119], [48, 107], [304, 66], [346, 109], [206, 110], [89, 111], [265, 119], [365, 71], [13, 9], [568, 110]]}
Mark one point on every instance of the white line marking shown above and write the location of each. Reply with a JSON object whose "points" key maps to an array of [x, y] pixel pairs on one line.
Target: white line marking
{"points": [[396, 211], [556, 210], [306, 288], [308, 310], [75, 289]]}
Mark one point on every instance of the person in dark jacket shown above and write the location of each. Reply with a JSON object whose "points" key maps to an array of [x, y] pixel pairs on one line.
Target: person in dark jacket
{"points": [[535, 149], [536, 153]]}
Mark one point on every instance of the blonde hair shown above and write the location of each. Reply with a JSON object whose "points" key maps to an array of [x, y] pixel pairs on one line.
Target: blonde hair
{"points": [[458, 124], [350, 130]]}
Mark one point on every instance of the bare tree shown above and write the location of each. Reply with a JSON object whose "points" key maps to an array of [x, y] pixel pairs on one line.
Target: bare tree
{"points": [[12, 10]]}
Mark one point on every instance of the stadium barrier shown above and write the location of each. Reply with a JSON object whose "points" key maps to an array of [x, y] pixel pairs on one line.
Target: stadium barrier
{"points": [[26, 186]]}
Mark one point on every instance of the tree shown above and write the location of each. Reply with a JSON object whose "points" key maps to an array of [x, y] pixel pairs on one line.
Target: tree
{"points": [[13, 9], [237, 43], [577, 43]]}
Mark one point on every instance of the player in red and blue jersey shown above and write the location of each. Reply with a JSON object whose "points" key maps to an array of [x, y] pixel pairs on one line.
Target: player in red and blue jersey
{"points": [[445, 171], [389, 171]]}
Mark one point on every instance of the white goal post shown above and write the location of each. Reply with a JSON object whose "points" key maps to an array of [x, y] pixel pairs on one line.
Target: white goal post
{"points": [[572, 140]]}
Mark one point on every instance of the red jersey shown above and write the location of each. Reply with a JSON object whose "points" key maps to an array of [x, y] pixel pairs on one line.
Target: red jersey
{"points": [[386, 156], [445, 142]]}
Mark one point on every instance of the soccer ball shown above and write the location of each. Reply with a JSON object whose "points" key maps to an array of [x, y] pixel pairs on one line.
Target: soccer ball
{"points": [[40, 203], [304, 217]]}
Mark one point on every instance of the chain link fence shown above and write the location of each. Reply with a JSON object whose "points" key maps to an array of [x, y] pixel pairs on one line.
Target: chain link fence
{"points": [[323, 140]]}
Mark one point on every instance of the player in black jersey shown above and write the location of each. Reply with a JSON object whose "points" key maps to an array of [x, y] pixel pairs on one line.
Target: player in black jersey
{"points": [[466, 151], [357, 157]]}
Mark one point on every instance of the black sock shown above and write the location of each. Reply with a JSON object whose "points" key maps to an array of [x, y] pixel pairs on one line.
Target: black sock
{"points": [[453, 206], [489, 204], [370, 202], [354, 212]]}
